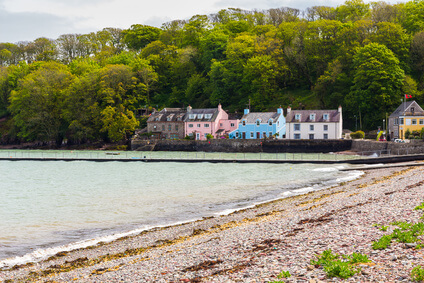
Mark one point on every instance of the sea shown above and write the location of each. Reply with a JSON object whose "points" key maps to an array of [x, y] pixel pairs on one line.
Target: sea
{"points": [[53, 206]]}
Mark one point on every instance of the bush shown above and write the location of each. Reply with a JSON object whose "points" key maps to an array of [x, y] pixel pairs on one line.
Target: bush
{"points": [[417, 274], [357, 135], [407, 134], [209, 137]]}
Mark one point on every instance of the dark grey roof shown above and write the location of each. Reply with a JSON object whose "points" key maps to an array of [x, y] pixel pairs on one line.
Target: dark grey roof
{"points": [[168, 115], [406, 109], [264, 117], [200, 115], [333, 116]]}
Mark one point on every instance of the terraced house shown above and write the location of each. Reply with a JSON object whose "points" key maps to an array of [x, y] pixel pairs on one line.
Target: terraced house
{"points": [[259, 125], [167, 123], [314, 124]]}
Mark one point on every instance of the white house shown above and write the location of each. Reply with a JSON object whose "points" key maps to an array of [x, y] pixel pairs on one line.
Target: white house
{"points": [[314, 124]]}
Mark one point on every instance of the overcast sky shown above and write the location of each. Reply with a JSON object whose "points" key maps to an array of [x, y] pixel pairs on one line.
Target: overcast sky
{"points": [[26, 20]]}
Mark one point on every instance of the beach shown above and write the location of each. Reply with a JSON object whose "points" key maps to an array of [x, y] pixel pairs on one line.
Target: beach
{"points": [[256, 244]]}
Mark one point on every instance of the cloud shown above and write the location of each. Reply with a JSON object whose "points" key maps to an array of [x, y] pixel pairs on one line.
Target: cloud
{"points": [[15, 27]]}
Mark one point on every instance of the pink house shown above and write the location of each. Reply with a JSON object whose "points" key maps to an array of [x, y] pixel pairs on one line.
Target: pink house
{"points": [[214, 121]]}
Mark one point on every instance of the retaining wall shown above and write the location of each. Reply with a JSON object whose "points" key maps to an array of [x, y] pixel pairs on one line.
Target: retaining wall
{"points": [[413, 147]]}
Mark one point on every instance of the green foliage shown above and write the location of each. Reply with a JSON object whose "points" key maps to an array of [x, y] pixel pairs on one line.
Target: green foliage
{"points": [[357, 135], [209, 136], [420, 207], [407, 233], [335, 267], [284, 274], [407, 134], [417, 273], [382, 243]]}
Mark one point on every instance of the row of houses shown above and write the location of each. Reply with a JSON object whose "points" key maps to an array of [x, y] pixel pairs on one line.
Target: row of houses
{"points": [[177, 123]]}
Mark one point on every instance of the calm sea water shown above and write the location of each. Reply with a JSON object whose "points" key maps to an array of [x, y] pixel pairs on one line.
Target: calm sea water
{"points": [[47, 207]]}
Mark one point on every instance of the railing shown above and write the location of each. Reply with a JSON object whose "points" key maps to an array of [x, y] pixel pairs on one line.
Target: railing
{"points": [[170, 155]]}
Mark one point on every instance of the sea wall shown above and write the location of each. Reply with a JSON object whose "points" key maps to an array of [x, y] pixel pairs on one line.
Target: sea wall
{"points": [[412, 147], [225, 145]]}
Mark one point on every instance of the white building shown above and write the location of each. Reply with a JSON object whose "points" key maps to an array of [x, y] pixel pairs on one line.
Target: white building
{"points": [[314, 124]]}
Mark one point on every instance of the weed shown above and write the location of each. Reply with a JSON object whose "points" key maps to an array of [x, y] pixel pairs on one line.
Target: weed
{"points": [[382, 243], [420, 207], [384, 228], [284, 274], [335, 267], [417, 273]]}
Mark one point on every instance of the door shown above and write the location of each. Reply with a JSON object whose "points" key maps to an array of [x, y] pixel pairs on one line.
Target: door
{"points": [[243, 135], [197, 136]]}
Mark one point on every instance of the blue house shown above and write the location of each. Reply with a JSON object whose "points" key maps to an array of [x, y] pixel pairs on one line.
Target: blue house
{"points": [[258, 125]]}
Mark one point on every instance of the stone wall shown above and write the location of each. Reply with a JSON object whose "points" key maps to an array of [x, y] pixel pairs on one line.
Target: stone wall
{"points": [[368, 146], [225, 145]]}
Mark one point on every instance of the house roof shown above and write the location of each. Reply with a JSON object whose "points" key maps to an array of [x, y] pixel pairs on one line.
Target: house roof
{"points": [[333, 116], [408, 108], [168, 115], [264, 117], [201, 114]]}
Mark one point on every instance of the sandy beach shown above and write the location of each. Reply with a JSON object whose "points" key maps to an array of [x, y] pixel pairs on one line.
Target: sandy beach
{"points": [[256, 244]]}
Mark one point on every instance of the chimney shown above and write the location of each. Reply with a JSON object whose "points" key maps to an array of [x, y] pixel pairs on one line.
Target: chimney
{"points": [[219, 107], [189, 108], [340, 109], [280, 110], [288, 110], [246, 111]]}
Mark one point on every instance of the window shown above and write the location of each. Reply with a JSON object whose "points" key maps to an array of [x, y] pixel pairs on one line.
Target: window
{"points": [[326, 136], [190, 125], [163, 127], [154, 127], [297, 117], [199, 116], [258, 123], [311, 136], [232, 125], [270, 123], [312, 117], [325, 127], [414, 121], [412, 109], [237, 134], [297, 127], [173, 136], [206, 136], [401, 121], [157, 119], [421, 121], [206, 125], [198, 125], [270, 134], [208, 116], [397, 121], [325, 117], [244, 123], [192, 116], [176, 127], [251, 135], [297, 136], [220, 124], [169, 127], [311, 127]]}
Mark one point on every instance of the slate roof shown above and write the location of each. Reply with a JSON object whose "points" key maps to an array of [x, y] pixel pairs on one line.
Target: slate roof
{"points": [[264, 117], [405, 109], [168, 115], [333, 116], [207, 111]]}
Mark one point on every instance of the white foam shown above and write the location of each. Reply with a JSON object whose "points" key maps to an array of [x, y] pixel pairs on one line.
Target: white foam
{"points": [[325, 169]]}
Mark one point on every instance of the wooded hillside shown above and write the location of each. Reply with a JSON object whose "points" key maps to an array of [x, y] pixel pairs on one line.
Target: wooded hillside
{"points": [[87, 87]]}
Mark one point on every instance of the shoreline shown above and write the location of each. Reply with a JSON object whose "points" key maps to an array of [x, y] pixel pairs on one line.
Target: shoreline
{"points": [[40, 255], [167, 254]]}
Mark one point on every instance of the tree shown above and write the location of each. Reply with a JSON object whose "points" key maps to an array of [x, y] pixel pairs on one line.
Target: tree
{"points": [[138, 36], [36, 105], [377, 83], [118, 123]]}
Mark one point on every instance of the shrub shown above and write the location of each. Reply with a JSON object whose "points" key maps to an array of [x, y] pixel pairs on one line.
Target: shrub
{"points": [[357, 258], [382, 243], [417, 274], [335, 267], [284, 274], [341, 269], [209, 137], [407, 134], [357, 135]]}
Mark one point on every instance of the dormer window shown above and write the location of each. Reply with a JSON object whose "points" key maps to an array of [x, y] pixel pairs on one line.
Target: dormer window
{"points": [[325, 116], [312, 117], [258, 122], [297, 117], [199, 116], [208, 116], [270, 122], [244, 122], [192, 116], [412, 109]]}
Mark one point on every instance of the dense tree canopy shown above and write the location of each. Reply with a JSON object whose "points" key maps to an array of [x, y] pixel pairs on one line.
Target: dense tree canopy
{"points": [[89, 87]]}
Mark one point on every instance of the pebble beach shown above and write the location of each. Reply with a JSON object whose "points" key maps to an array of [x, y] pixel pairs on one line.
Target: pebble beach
{"points": [[257, 244]]}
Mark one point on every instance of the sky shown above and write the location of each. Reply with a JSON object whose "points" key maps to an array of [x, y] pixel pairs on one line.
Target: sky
{"points": [[27, 20]]}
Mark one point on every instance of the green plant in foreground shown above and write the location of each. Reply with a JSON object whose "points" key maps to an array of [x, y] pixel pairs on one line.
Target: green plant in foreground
{"points": [[421, 206], [384, 228], [417, 273], [284, 274], [335, 267]]}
